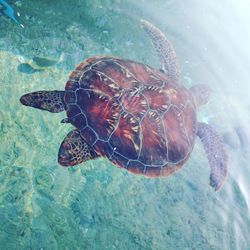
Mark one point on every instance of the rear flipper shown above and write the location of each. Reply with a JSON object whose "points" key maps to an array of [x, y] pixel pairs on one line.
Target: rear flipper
{"points": [[216, 154], [51, 101], [74, 150]]}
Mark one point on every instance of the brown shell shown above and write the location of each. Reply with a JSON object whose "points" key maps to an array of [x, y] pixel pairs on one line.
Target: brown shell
{"points": [[132, 114]]}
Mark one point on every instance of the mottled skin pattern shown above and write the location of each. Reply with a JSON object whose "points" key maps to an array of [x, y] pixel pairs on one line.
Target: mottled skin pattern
{"points": [[132, 114], [164, 49], [75, 149], [138, 117], [216, 154], [46, 100]]}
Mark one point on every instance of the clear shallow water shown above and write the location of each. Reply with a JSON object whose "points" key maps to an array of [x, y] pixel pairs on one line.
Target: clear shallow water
{"points": [[95, 205]]}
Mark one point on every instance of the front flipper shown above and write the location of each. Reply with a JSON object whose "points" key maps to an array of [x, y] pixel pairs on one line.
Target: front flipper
{"points": [[164, 49], [74, 150], [216, 154], [51, 101]]}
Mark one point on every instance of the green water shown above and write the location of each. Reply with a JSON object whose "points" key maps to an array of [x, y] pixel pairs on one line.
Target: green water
{"points": [[96, 205]]}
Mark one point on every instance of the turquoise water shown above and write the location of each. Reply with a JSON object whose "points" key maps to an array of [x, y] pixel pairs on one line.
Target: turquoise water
{"points": [[96, 205]]}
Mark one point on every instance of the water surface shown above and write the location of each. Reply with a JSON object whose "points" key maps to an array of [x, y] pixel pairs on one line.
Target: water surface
{"points": [[96, 205]]}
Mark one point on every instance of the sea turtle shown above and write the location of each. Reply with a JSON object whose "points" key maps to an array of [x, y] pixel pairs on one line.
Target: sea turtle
{"points": [[138, 117]]}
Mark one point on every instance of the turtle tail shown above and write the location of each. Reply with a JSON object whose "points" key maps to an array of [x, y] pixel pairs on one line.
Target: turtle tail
{"points": [[52, 101]]}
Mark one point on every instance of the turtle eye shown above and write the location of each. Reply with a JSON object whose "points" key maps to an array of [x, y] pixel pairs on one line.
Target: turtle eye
{"points": [[221, 164]]}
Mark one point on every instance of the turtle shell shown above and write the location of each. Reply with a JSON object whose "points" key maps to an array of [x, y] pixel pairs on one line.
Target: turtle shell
{"points": [[132, 114]]}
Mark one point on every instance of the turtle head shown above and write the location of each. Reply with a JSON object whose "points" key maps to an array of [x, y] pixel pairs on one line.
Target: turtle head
{"points": [[52, 101], [201, 93]]}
